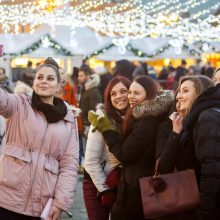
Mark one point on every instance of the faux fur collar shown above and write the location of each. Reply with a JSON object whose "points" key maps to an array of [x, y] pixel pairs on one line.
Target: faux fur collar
{"points": [[93, 82], [159, 105]]}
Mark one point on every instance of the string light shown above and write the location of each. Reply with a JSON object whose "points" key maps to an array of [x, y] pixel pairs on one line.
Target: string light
{"points": [[129, 19]]}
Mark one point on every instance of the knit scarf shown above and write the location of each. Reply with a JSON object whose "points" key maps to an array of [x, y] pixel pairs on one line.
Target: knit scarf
{"points": [[52, 113]]}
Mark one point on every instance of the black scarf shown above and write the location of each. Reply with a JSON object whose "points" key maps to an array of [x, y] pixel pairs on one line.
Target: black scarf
{"points": [[52, 113], [210, 98]]}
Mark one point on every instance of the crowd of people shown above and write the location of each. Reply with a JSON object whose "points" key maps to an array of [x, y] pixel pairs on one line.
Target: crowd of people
{"points": [[123, 130]]}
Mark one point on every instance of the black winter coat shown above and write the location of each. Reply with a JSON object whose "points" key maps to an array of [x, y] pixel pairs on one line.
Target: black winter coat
{"points": [[170, 152], [90, 97], [173, 157], [137, 154], [202, 130]]}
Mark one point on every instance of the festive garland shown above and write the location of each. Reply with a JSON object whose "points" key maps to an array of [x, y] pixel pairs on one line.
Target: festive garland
{"points": [[52, 43], [207, 47], [140, 53], [102, 50]]}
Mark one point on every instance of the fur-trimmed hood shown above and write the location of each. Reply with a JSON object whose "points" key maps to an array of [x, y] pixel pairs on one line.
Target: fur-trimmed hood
{"points": [[159, 105], [22, 88], [92, 82]]}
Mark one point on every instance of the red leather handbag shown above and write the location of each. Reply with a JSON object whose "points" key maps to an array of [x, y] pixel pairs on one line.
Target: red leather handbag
{"points": [[169, 193]]}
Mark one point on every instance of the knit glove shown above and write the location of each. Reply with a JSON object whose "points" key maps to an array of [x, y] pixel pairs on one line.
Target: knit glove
{"points": [[100, 122], [107, 197]]}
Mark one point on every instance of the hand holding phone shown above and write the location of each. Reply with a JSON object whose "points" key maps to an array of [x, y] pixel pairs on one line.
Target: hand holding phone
{"points": [[177, 121]]}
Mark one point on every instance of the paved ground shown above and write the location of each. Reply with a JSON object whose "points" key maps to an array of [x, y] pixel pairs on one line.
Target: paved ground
{"points": [[79, 211]]}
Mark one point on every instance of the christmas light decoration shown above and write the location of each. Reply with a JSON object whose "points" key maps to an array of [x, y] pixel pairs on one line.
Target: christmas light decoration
{"points": [[45, 41], [189, 20]]}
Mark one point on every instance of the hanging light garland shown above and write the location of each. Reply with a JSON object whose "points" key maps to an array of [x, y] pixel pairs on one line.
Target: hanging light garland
{"points": [[129, 19], [45, 41]]}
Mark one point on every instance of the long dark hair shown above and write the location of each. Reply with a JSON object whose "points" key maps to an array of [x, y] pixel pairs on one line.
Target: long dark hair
{"points": [[152, 89], [110, 110]]}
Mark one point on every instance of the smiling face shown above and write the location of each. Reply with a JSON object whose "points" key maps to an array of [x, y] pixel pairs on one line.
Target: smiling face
{"points": [[186, 95], [136, 94], [216, 78], [46, 84], [119, 96]]}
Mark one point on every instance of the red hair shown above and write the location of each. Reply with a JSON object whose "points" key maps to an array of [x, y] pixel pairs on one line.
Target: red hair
{"points": [[110, 110]]}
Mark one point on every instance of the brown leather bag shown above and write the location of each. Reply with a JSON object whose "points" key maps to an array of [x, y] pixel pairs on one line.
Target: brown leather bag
{"points": [[169, 193]]}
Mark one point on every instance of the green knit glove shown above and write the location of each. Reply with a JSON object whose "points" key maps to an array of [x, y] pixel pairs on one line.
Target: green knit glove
{"points": [[100, 122]]}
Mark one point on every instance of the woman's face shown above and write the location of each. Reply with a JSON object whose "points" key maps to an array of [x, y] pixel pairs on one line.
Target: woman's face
{"points": [[216, 78], [136, 94], [186, 95], [119, 96], [45, 83]]}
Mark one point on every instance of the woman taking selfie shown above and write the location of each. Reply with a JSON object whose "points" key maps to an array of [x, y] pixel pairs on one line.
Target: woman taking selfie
{"points": [[99, 193], [136, 148], [40, 158]]}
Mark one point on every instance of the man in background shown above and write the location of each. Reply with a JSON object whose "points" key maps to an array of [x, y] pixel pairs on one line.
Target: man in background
{"points": [[89, 94]]}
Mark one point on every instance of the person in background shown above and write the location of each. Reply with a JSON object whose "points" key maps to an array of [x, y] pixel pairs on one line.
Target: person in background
{"points": [[68, 92], [141, 69], [105, 78], [90, 94], [29, 74], [5, 82], [99, 193], [200, 101], [136, 147], [216, 76], [124, 68], [163, 77], [180, 72], [170, 79], [208, 70], [40, 158], [198, 66], [191, 71]]}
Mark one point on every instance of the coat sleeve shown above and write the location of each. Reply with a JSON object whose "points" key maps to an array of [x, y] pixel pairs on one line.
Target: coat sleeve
{"points": [[169, 154], [8, 103], [142, 135], [94, 150], [207, 143], [68, 165]]}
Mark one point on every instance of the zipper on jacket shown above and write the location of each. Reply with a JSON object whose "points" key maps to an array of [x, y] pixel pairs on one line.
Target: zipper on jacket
{"points": [[35, 171]]}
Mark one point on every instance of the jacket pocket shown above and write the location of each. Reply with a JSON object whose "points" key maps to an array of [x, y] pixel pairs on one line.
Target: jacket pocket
{"points": [[51, 172], [15, 168]]}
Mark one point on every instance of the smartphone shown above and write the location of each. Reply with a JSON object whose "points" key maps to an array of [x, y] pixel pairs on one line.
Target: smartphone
{"points": [[1, 50], [171, 117]]}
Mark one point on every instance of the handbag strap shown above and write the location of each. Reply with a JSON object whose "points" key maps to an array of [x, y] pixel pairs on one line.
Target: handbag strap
{"points": [[156, 172]]}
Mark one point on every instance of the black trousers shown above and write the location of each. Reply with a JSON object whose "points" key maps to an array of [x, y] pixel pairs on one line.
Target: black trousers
{"points": [[5, 214]]}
